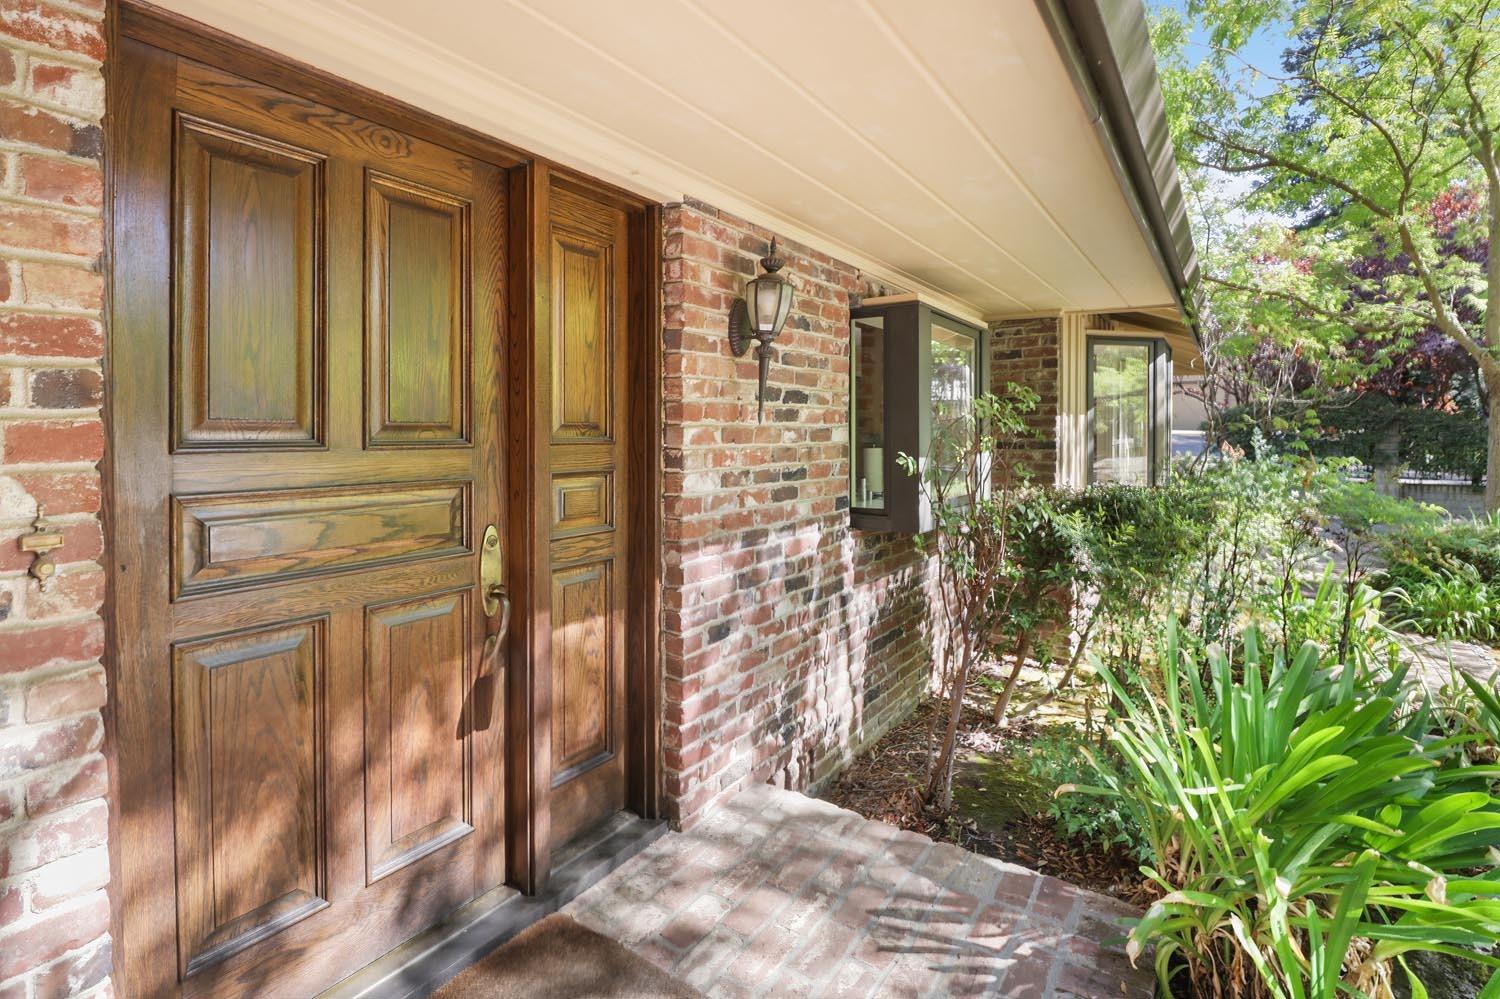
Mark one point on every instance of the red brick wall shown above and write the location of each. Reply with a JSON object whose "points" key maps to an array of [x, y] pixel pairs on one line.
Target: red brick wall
{"points": [[1026, 352], [54, 913], [790, 641]]}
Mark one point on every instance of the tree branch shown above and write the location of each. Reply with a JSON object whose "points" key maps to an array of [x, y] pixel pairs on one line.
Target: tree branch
{"points": [[1366, 328], [1270, 159]]}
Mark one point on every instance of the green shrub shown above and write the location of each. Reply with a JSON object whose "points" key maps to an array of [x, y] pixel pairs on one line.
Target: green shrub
{"points": [[1138, 542], [1305, 835], [1453, 604], [1362, 426], [1444, 544], [1057, 759], [1448, 573]]}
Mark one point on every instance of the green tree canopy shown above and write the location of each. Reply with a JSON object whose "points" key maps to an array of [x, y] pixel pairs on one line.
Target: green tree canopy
{"points": [[1377, 112]]}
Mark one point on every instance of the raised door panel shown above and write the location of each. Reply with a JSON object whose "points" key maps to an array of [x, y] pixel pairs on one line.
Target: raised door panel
{"points": [[582, 503], [583, 662], [584, 358], [416, 734], [249, 790], [248, 365], [418, 314], [229, 541]]}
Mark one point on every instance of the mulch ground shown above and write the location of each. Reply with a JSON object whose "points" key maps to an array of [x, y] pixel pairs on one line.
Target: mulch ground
{"points": [[884, 783]]}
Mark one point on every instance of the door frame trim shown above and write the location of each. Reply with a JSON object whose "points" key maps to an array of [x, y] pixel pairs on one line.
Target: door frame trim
{"points": [[526, 764]]}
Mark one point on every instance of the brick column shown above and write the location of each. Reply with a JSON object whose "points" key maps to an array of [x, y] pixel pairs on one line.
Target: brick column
{"points": [[54, 869], [790, 641], [1026, 352]]}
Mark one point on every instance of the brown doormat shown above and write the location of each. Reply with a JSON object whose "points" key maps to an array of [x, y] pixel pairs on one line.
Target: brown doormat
{"points": [[560, 959]]}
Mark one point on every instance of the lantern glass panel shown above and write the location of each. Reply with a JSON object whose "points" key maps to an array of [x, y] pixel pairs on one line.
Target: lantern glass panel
{"points": [[766, 302]]}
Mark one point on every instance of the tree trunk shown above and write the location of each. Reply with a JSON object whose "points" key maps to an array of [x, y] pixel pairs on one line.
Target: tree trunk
{"points": [[1002, 702], [940, 783], [1492, 465]]}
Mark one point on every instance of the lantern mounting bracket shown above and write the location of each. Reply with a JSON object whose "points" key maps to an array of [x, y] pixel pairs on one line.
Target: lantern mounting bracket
{"points": [[740, 335]]}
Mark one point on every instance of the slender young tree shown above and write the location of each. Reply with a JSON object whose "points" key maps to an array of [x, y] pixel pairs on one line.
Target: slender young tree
{"points": [[1377, 111]]}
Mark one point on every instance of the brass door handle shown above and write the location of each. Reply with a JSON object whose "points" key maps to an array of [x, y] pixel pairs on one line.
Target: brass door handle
{"points": [[496, 638], [494, 597]]}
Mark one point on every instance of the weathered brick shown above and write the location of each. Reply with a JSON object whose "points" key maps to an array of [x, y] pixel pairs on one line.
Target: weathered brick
{"points": [[65, 388], [39, 335], [1026, 352], [34, 943], [32, 747], [65, 695], [40, 441], [62, 182], [77, 972], [77, 88], [61, 286], [29, 227], [769, 596], [28, 125], [67, 783], [68, 594], [62, 492], [52, 775], [24, 649], [63, 880], [52, 27], [52, 837]]}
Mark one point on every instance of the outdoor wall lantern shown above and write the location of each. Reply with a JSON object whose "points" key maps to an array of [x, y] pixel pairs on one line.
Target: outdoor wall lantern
{"points": [[760, 315]]}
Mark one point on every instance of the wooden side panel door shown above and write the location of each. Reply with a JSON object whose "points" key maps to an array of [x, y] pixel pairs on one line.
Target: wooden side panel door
{"points": [[306, 361], [589, 538]]}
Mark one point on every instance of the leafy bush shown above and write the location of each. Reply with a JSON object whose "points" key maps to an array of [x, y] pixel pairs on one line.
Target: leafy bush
{"points": [[1045, 559], [1450, 544], [1453, 604], [1138, 541], [1364, 427], [971, 547], [1349, 620], [1305, 835], [1056, 759], [1449, 575]]}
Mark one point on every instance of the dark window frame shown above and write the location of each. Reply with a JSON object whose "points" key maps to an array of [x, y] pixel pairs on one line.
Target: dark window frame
{"points": [[908, 406]]}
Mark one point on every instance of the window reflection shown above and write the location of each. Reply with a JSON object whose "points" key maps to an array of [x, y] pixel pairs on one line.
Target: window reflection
{"points": [[868, 386], [952, 354], [1120, 412]]}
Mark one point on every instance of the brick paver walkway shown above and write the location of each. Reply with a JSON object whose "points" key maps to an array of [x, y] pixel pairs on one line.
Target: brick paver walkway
{"points": [[777, 894]]}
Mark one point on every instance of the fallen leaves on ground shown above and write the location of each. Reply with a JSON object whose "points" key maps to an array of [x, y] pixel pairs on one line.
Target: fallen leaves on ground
{"points": [[886, 783]]}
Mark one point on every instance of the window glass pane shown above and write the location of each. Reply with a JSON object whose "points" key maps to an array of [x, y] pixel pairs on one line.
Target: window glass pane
{"points": [[1120, 407], [954, 366], [868, 466]]}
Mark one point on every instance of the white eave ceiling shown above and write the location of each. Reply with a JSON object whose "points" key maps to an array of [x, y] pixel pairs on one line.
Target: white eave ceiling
{"points": [[938, 144]]}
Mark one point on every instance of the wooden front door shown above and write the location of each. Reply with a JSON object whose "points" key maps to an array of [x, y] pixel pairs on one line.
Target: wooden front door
{"points": [[306, 365], [588, 339]]}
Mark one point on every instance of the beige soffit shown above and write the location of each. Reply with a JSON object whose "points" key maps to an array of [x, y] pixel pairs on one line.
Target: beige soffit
{"points": [[941, 147]]}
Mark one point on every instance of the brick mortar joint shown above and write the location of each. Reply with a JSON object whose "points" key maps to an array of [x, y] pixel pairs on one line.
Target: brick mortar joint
{"points": [[84, 213], [75, 260], [28, 362], [58, 311], [11, 415], [86, 118], [62, 620], [11, 148]]}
